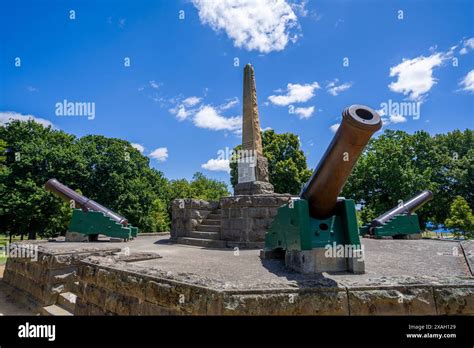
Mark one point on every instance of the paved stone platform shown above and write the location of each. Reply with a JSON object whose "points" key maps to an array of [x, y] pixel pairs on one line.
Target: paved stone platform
{"points": [[417, 277]]}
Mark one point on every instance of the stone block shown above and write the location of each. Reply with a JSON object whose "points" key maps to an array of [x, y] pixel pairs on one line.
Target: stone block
{"points": [[392, 301], [314, 261], [454, 300], [235, 213], [260, 212]]}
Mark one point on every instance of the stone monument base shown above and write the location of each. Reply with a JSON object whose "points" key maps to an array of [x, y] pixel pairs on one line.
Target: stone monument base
{"points": [[253, 188], [316, 261]]}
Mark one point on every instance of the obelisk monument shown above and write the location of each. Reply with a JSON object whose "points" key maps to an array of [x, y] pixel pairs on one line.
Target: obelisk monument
{"points": [[252, 165]]}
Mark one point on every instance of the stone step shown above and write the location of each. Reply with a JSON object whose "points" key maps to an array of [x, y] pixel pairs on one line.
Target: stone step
{"points": [[208, 228], [205, 235], [215, 222], [67, 300], [75, 288], [214, 216], [55, 310], [206, 243]]}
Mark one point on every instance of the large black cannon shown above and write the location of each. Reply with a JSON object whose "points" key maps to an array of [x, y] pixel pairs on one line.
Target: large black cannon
{"points": [[91, 218], [304, 227]]}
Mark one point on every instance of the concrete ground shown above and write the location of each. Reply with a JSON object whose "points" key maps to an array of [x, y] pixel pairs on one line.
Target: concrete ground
{"points": [[387, 262]]}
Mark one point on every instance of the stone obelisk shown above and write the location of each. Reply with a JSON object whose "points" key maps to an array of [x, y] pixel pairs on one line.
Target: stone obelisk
{"points": [[252, 165]]}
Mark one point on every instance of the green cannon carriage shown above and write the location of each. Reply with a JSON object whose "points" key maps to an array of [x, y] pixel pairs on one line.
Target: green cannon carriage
{"points": [[91, 218], [398, 222]]}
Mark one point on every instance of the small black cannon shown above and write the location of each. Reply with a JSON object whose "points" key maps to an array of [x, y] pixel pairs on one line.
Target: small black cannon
{"points": [[399, 221], [91, 219]]}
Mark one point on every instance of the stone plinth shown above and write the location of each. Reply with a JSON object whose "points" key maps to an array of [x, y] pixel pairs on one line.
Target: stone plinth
{"points": [[187, 214], [253, 188], [316, 261], [246, 219]]}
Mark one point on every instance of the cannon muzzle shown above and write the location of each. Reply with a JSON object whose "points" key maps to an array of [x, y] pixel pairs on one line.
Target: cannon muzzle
{"points": [[406, 208], [80, 201], [358, 124]]}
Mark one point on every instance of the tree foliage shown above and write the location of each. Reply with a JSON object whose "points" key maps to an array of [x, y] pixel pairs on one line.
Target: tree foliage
{"points": [[107, 170], [461, 218], [396, 166]]}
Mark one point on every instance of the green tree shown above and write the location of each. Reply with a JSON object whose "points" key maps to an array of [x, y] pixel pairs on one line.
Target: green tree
{"points": [[396, 166], [119, 177], [161, 219], [461, 218], [286, 162], [3, 151], [207, 189], [35, 154]]}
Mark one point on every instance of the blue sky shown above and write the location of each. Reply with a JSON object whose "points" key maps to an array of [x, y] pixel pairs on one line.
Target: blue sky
{"points": [[180, 96]]}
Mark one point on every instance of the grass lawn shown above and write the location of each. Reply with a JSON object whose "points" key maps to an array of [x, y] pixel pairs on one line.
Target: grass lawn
{"points": [[434, 235]]}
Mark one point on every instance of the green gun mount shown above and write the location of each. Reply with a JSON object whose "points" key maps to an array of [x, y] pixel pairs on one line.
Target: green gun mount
{"points": [[318, 231], [399, 222], [92, 218]]}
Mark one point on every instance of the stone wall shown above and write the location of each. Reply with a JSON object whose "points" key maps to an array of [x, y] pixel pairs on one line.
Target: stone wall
{"points": [[246, 219], [187, 214], [118, 289], [41, 279]]}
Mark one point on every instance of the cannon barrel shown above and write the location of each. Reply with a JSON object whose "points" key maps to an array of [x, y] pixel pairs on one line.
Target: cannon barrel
{"points": [[82, 202], [358, 124], [406, 208]]}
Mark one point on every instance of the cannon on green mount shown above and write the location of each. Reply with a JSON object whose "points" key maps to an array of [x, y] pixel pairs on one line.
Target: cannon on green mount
{"points": [[318, 231], [398, 222], [91, 218]]}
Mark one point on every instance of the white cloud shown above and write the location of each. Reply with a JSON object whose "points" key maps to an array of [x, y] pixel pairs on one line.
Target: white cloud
{"points": [[180, 112], [32, 89], [154, 84], [393, 118], [335, 89], [262, 25], [467, 83], [209, 118], [230, 103], [397, 119], [296, 93], [468, 45], [300, 8], [191, 101], [415, 76], [304, 113], [334, 127], [139, 147], [217, 165], [7, 116], [160, 154], [265, 129]]}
